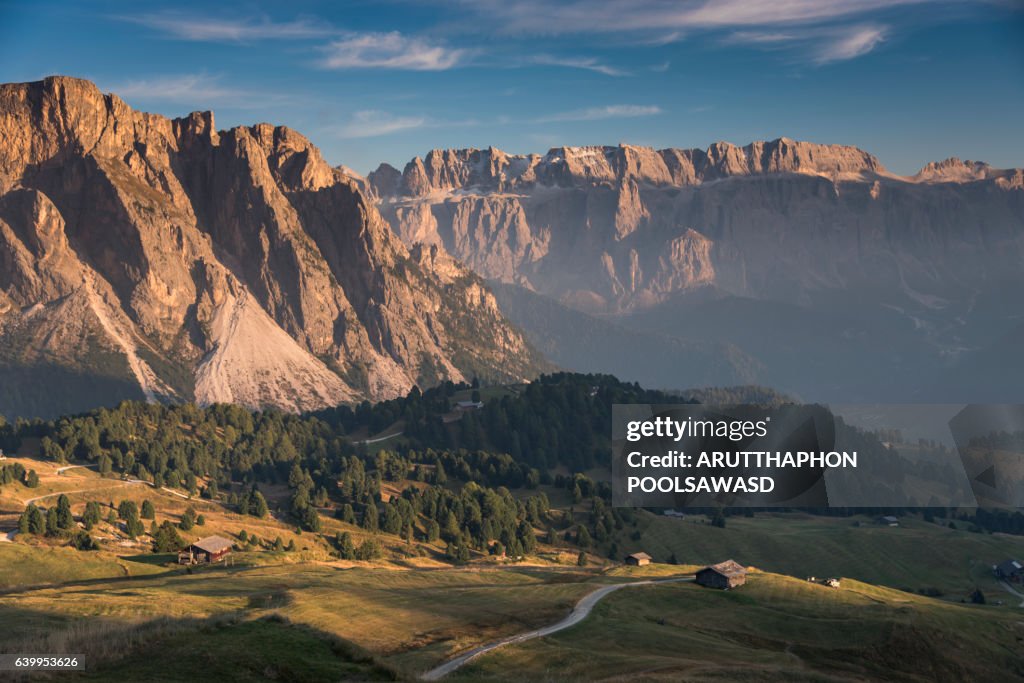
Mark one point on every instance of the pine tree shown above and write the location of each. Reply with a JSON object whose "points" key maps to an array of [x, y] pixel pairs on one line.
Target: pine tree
{"points": [[348, 515], [311, 519], [148, 511], [581, 559], [65, 520], [52, 525], [91, 516], [371, 518], [128, 510], [188, 520], [36, 521], [368, 550], [201, 520], [258, 505], [346, 549], [278, 544], [24, 520], [32, 479], [166, 539]]}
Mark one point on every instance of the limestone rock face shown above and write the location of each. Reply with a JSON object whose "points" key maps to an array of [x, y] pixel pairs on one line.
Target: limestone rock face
{"points": [[184, 263], [611, 230]]}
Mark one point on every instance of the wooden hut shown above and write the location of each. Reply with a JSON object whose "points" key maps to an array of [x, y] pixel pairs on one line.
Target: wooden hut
{"points": [[724, 575], [638, 559], [205, 551]]}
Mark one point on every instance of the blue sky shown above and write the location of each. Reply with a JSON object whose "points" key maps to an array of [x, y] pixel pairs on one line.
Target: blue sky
{"points": [[908, 80]]}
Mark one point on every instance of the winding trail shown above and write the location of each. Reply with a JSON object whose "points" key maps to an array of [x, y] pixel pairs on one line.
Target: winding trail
{"points": [[379, 438], [111, 484], [578, 614], [62, 470], [1013, 591]]}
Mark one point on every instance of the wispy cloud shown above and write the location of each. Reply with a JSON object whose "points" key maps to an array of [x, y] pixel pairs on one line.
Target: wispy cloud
{"points": [[209, 29], [390, 51], [612, 111], [821, 45], [373, 123], [853, 42], [587, 63], [201, 89], [540, 17]]}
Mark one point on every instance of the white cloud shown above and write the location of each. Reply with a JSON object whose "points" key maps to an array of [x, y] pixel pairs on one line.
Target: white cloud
{"points": [[389, 51], [207, 29], [854, 42], [201, 89], [540, 17], [613, 111], [587, 63], [373, 123]]}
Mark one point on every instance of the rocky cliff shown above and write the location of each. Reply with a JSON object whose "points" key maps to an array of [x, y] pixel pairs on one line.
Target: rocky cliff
{"points": [[145, 256], [919, 270], [616, 229]]}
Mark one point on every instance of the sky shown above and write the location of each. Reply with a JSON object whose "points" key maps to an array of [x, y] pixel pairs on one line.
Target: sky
{"points": [[910, 81]]}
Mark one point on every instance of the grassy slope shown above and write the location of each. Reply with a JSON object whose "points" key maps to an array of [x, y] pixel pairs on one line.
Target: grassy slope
{"points": [[229, 650], [773, 629], [916, 555], [413, 619]]}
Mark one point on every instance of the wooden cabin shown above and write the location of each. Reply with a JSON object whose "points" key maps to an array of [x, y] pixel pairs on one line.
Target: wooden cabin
{"points": [[205, 551], [638, 559], [724, 575]]}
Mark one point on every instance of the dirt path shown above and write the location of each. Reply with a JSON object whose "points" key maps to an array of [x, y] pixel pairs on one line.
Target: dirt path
{"points": [[578, 614], [379, 438], [1013, 591], [30, 501], [62, 470]]}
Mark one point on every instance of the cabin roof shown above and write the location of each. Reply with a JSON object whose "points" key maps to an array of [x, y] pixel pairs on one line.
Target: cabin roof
{"points": [[727, 568], [640, 556], [213, 544], [1010, 567]]}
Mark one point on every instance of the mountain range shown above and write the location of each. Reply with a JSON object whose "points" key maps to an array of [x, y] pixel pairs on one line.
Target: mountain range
{"points": [[147, 257], [811, 267], [157, 258]]}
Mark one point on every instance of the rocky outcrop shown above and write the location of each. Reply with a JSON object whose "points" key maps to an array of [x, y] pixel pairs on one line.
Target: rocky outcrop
{"points": [[614, 229], [215, 265]]}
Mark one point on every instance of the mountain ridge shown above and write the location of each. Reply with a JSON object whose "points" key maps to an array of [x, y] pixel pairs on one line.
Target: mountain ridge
{"points": [[193, 247]]}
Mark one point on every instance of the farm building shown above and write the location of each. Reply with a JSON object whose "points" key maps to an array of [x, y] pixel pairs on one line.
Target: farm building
{"points": [[205, 551], [888, 520], [723, 575], [1009, 570], [466, 406], [638, 559]]}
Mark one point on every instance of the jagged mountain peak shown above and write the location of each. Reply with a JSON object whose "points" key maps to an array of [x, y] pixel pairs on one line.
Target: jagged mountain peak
{"points": [[232, 265], [449, 170]]}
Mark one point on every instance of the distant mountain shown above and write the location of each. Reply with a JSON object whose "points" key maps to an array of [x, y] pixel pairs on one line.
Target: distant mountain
{"points": [[147, 257], [843, 280]]}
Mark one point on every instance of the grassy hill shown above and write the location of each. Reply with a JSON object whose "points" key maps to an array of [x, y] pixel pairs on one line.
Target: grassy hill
{"points": [[775, 628], [916, 555]]}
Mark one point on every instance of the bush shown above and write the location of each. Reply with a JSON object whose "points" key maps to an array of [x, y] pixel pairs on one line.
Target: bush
{"points": [[167, 539], [83, 541]]}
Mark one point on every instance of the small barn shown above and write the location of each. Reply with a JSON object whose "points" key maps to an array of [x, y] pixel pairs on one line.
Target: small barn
{"points": [[638, 559], [888, 520], [724, 575], [1009, 570], [206, 551], [468, 406]]}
